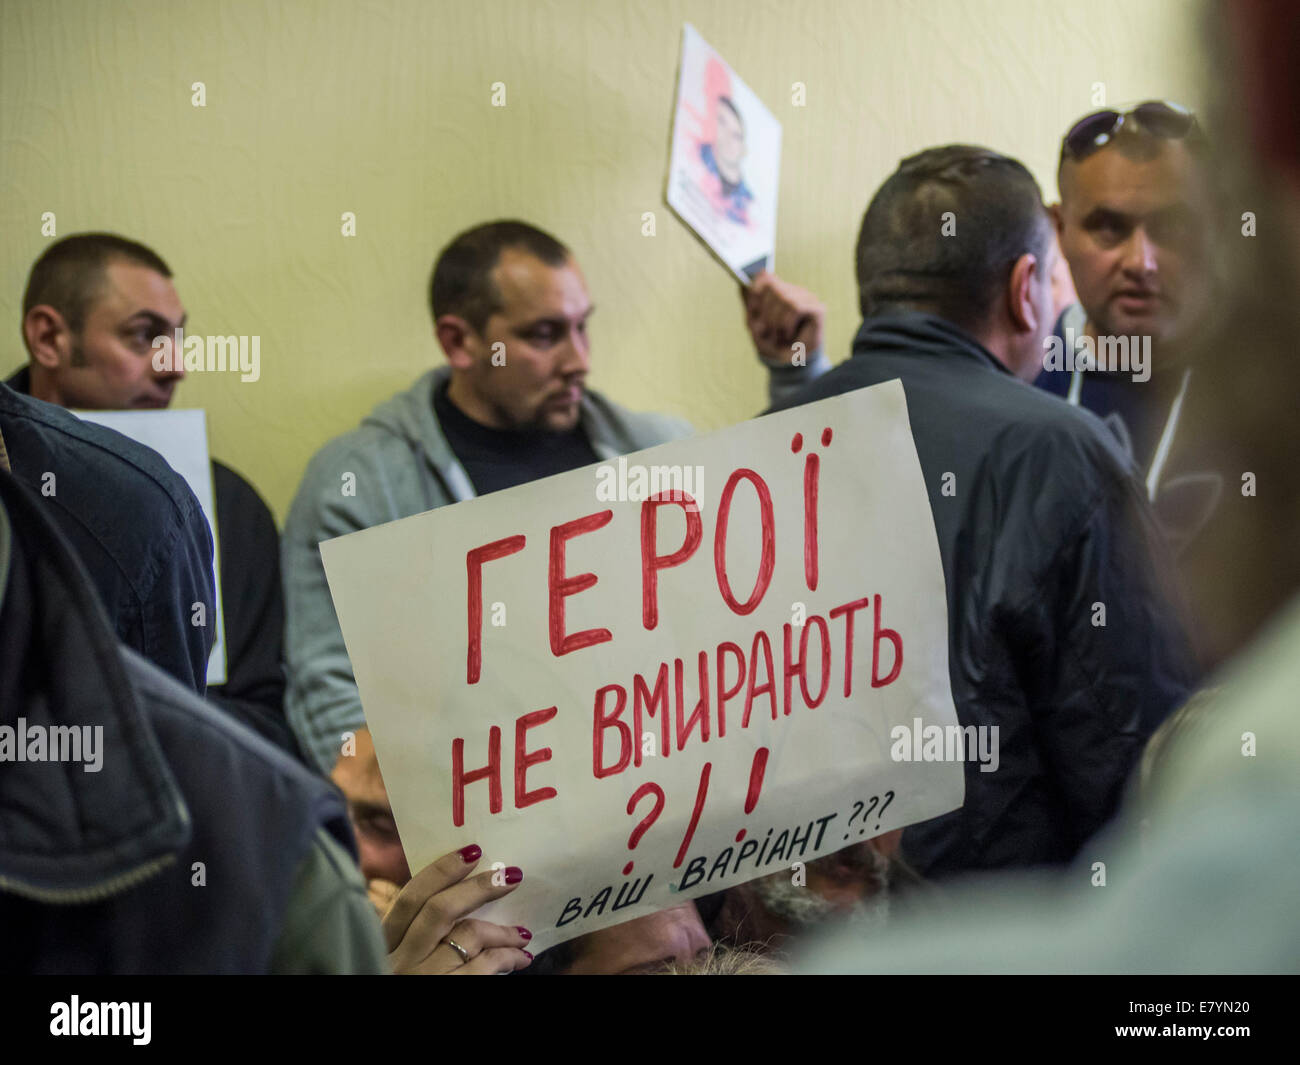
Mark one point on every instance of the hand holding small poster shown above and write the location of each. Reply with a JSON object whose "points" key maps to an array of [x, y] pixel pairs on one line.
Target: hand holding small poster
{"points": [[726, 161], [663, 675]]}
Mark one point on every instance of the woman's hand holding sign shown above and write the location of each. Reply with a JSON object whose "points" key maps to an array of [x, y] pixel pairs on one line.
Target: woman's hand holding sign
{"points": [[428, 932]]}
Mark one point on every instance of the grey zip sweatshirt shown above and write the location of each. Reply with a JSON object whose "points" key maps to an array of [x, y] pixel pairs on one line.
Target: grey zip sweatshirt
{"points": [[398, 463]]}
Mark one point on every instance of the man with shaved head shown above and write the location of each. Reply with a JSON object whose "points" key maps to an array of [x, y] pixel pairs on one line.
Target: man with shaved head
{"points": [[1132, 226], [101, 319], [1060, 636]]}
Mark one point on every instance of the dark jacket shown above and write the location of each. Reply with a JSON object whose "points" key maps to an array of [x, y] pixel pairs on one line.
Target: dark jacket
{"points": [[190, 844], [252, 605], [1188, 486], [252, 602], [1119, 401], [132, 521], [252, 593], [1043, 522]]}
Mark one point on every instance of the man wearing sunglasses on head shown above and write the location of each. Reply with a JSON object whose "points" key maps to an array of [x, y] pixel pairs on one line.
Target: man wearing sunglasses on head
{"points": [[1131, 224]]}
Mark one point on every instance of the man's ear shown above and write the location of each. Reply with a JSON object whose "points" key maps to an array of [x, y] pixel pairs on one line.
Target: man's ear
{"points": [[457, 339], [48, 338], [1025, 274]]}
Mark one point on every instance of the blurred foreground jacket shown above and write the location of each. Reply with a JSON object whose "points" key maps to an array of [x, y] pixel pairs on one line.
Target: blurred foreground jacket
{"points": [[1201, 868], [133, 523], [1061, 632], [252, 601], [167, 838]]}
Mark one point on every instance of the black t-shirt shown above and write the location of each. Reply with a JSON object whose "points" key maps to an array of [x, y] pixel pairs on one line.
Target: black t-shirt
{"points": [[497, 458]]}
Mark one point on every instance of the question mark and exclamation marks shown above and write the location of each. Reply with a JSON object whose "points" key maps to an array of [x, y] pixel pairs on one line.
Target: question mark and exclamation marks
{"points": [[756, 771], [650, 788], [643, 826]]}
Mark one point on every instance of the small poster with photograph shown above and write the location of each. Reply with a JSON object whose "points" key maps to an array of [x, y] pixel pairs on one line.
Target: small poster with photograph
{"points": [[725, 162]]}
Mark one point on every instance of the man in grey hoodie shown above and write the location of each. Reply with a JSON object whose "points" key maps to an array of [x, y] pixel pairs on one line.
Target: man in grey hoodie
{"points": [[510, 310]]}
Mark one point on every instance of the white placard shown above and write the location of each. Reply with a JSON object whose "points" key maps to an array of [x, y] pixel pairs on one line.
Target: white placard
{"points": [[573, 703]]}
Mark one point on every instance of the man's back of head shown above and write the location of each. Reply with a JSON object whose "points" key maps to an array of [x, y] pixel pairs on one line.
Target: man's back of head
{"points": [[961, 232], [1048, 550]]}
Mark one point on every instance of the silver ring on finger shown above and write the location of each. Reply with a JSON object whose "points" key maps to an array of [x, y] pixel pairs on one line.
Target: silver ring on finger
{"points": [[464, 954]]}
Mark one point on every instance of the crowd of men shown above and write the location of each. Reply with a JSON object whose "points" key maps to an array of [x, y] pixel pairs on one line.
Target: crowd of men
{"points": [[1080, 481]]}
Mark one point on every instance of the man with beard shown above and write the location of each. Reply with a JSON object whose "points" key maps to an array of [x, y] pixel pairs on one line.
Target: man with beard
{"points": [[510, 311], [854, 885]]}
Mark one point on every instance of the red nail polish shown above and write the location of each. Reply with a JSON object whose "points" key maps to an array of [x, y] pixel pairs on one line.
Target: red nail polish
{"points": [[523, 931], [514, 874], [530, 957], [472, 853]]}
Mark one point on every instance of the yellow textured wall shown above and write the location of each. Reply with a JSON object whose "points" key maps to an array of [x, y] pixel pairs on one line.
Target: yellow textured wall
{"points": [[384, 108]]}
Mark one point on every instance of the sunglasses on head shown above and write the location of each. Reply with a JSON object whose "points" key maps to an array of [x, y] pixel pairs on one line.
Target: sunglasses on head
{"points": [[1157, 117]]}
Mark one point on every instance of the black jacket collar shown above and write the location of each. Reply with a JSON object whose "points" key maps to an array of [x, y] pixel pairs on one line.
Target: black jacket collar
{"points": [[915, 333]]}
